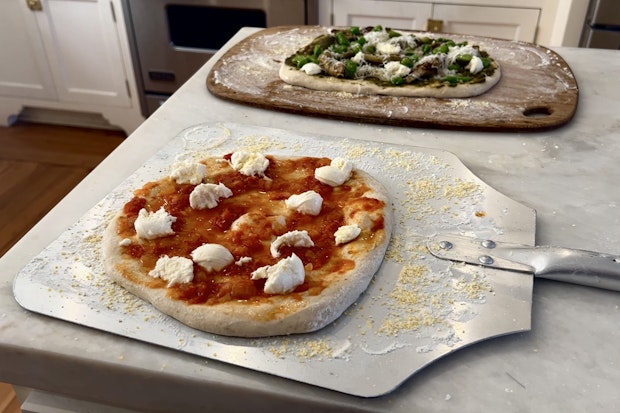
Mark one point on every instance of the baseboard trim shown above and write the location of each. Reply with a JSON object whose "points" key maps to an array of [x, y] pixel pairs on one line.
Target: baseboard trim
{"points": [[65, 117]]}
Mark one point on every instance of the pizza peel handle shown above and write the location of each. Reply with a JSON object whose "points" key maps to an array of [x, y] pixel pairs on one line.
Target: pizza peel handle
{"points": [[575, 266]]}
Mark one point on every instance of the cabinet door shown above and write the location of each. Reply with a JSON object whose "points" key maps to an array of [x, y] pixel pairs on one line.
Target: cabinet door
{"points": [[394, 14], [24, 71], [500, 22], [82, 46]]}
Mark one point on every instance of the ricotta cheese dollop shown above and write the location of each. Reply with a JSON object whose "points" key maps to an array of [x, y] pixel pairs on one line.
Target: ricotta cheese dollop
{"points": [[396, 69], [346, 233], [336, 173], [212, 257], [358, 58], [388, 48], [208, 195], [243, 260], [283, 276], [151, 225], [309, 202], [475, 65], [250, 221], [249, 163], [294, 238], [175, 270], [311, 69], [189, 173]]}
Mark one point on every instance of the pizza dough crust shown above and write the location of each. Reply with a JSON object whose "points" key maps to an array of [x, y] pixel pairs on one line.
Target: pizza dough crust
{"points": [[292, 76], [280, 314]]}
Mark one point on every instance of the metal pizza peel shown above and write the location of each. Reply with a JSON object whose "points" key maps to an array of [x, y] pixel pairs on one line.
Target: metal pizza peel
{"points": [[459, 270]]}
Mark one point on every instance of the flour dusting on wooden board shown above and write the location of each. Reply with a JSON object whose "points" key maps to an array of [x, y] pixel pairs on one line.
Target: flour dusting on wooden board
{"points": [[537, 90], [416, 309]]}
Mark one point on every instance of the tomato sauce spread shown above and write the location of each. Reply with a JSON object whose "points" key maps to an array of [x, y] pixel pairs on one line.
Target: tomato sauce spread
{"points": [[246, 223]]}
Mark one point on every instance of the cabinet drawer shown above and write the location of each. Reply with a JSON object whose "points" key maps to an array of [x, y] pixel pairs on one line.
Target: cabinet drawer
{"points": [[500, 22], [395, 14]]}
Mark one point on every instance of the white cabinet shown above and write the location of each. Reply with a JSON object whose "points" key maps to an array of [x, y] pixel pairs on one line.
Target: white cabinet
{"points": [[24, 70], [394, 14], [510, 23], [83, 51], [546, 22], [500, 22], [71, 55]]}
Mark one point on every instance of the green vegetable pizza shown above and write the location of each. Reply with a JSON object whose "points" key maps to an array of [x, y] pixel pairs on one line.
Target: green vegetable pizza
{"points": [[382, 61]]}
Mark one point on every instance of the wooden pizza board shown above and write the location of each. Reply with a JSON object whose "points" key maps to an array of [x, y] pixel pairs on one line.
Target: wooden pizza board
{"points": [[537, 91]]}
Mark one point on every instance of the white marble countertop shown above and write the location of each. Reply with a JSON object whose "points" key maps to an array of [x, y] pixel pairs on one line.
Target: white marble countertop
{"points": [[568, 362]]}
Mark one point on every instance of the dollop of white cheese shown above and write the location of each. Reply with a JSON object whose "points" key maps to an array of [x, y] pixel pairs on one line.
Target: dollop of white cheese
{"points": [[311, 69], [208, 195], [249, 163], [243, 260], [336, 173], [175, 270], [256, 220], [309, 202], [388, 48], [396, 69], [125, 242], [212, 257], [292, 239], [344, 165], [475, 65], [151, 225], [189, 172], [346, 233], [283, 276], [358, 58]]}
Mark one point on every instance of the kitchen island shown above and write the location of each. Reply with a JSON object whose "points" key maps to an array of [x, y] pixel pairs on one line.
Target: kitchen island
{"points": [[568, 362]]}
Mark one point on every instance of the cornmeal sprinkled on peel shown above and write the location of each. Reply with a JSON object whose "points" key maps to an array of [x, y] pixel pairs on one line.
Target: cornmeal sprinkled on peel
{"points": [[420, 298], [315, 349], [413, 305], [261, 144]]}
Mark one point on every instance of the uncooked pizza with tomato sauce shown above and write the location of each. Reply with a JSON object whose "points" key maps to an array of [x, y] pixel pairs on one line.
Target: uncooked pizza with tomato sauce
{"points": [[251, 245]]}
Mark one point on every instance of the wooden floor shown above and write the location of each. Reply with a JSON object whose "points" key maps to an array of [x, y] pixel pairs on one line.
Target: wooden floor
{"points": [[9, 403], [39, 165]]}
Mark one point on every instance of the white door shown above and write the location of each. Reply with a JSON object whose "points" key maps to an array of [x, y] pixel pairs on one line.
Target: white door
{"points": [[82, 44], [24, 69], [403, 15], [500, 22]]}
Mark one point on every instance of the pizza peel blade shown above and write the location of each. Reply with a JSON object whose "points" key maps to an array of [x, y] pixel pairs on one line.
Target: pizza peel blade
{"points": [[418, 309]]}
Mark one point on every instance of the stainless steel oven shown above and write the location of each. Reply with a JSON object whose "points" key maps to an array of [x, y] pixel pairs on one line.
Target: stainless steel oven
{"points": [[171, 39]]}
